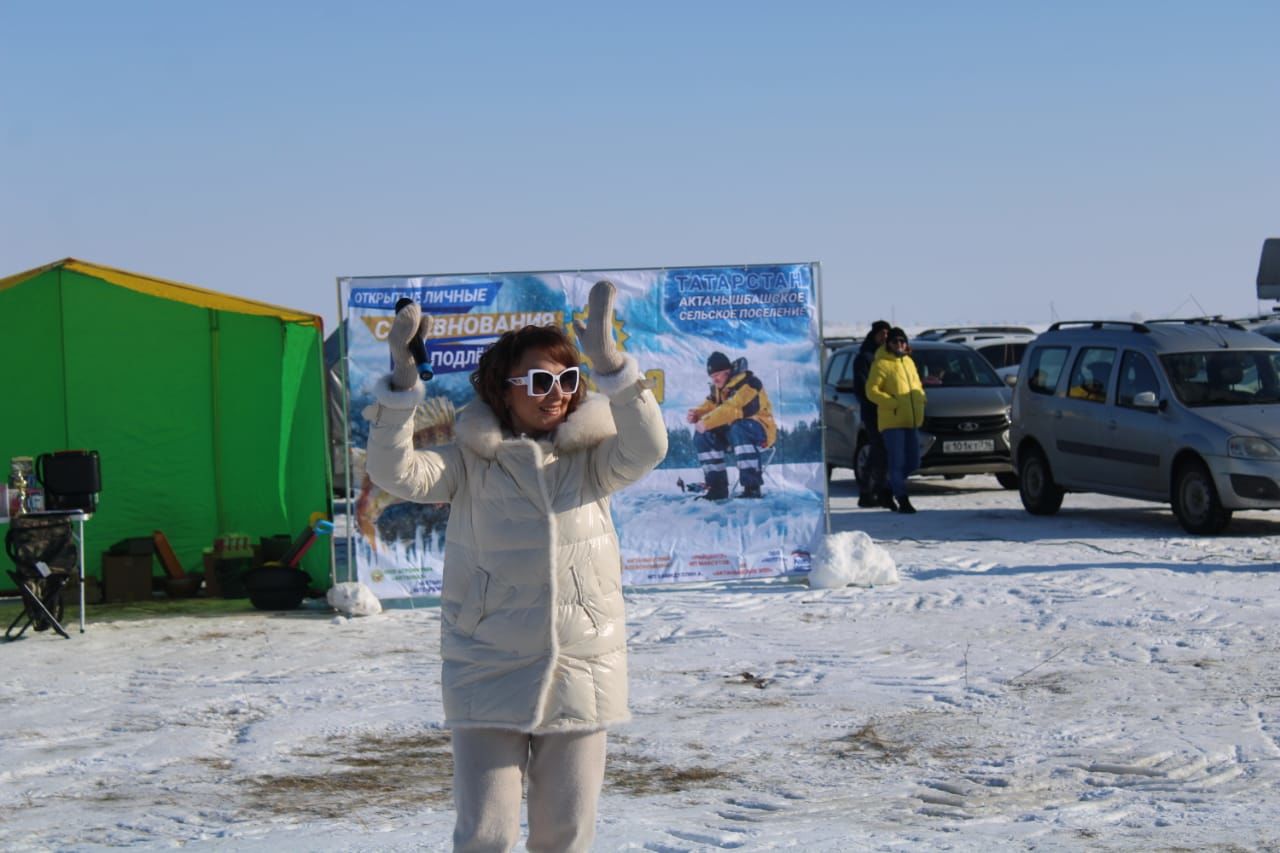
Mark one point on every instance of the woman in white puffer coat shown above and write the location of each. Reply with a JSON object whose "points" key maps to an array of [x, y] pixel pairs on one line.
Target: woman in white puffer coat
{"points": [[532, 635]]}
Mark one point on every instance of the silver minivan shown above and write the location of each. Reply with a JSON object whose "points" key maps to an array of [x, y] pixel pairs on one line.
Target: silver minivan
{"points": [[1185, 412]]}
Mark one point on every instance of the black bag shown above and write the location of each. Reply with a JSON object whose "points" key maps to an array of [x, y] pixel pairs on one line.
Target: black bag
{"points": [[71, 479]]}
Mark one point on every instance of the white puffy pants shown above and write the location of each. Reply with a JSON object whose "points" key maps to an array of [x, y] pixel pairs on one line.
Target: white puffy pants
{"points": [[565, 771]]}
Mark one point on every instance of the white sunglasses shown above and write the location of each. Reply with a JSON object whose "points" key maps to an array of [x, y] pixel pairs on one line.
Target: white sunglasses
{"points": [[538, 382]]}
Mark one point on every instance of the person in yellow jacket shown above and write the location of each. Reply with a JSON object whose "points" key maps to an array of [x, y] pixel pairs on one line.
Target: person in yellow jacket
{"points": [[894, 386], [736, 415]]}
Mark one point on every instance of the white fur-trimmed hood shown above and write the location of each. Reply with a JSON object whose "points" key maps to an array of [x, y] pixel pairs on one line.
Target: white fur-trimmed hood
{"points": [[479, 431]]}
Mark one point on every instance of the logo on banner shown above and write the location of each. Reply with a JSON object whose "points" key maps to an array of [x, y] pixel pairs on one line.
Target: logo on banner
{"points": [[774, 300], [449, 298]]}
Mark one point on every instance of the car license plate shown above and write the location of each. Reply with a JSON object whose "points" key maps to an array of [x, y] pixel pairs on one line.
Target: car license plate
{"points": [[986, 445]]}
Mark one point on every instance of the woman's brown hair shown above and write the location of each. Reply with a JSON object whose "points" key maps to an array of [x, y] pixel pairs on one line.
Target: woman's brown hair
{"points": [[491, 374]]}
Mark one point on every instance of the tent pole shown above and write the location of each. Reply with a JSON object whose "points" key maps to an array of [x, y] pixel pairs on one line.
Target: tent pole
{"points": [[328, 447], [62, 347], [216, 388], [346, 433], [822, 413]]}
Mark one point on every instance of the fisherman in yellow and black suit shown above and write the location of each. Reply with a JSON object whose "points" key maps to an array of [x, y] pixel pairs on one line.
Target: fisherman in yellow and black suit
{"points": [[736, 415]]}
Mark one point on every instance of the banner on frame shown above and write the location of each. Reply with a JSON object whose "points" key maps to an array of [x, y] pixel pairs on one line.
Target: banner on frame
{"points": [[733, 355]]}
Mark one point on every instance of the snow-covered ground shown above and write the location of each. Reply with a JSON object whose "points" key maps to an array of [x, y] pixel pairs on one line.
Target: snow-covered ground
{"points": [[1093, 680]]}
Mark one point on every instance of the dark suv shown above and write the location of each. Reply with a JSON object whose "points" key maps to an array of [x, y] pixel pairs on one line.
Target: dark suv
{"points": [[966, 413], [1185, 412]]}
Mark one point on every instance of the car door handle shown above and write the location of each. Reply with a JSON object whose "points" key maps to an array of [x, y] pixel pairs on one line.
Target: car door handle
{"points": [[1111, 424], [1057, 413]]}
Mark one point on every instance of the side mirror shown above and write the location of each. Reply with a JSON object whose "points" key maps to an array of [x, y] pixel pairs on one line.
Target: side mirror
{"points": [[1146, 400], [1011, 379]]}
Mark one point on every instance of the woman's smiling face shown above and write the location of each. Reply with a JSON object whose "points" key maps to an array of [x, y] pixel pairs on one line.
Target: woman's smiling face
{"points": [[536, 416]]}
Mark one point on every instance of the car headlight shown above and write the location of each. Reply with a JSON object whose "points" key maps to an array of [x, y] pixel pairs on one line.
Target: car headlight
{"points": [[1252, 447]]}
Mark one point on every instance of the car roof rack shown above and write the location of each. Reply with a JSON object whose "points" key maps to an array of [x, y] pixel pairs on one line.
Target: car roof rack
{"points": [[1257, 319], [1098, 324], [1216, 320], [957, 330], [837, 341], [1146, 325]]}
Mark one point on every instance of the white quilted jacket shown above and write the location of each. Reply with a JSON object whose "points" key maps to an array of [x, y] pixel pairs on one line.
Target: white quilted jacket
{"points": [[532, 621]]}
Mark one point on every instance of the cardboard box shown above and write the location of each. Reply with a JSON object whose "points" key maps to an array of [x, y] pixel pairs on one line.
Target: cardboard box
{"points": [[126, 577], [136, 546], [228, 573]]}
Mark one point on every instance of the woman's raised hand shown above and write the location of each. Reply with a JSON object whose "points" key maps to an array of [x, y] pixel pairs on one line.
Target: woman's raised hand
{"points": [[410, 322], [597, 335]]}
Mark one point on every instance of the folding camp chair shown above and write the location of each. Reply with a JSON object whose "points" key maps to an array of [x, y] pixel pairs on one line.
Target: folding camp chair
{"points": [[765, 455], [44, 555]]}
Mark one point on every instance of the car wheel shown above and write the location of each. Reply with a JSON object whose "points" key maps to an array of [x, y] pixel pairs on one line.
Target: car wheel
{"points": [[1196, 503], [1007, 479], [1040, 494]]}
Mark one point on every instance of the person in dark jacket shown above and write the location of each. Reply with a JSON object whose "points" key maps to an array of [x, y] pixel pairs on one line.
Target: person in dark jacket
{"points": [[872, 488], [735, 416]]}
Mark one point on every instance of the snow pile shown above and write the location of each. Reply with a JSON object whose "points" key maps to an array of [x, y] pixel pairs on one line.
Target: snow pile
{"points": [[1091, 680], [353, 599], [851, 559]]}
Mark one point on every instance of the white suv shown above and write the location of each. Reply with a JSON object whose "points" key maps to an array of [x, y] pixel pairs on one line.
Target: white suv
{"points": [[1001, 346]]}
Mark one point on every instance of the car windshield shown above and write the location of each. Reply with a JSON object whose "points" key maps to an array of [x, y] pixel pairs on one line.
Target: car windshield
{"points": [[1218, 378], [954, 368]]}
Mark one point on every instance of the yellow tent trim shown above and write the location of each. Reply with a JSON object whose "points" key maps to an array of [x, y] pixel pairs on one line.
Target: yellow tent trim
{"points": [[15, 280], [174, 290]]}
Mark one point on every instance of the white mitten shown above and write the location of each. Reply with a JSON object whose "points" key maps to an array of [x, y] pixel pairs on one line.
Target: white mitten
{"points": [[409, 322], [597, 335]]}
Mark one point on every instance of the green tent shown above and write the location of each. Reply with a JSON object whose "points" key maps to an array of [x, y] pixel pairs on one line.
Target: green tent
{"points": [[207, 410]]}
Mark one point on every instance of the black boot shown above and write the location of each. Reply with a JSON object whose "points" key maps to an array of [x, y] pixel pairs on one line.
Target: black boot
{"points": [[751, 480], [904, 504], [717, 486], [886, 501], [866, 499]]}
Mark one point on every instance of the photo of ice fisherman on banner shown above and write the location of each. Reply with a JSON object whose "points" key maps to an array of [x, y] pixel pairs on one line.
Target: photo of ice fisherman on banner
{"points": [[734, 418], [739, 353]]}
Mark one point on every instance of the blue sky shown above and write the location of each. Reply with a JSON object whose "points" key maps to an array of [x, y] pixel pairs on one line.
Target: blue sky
{"points": [[945, 162]]}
